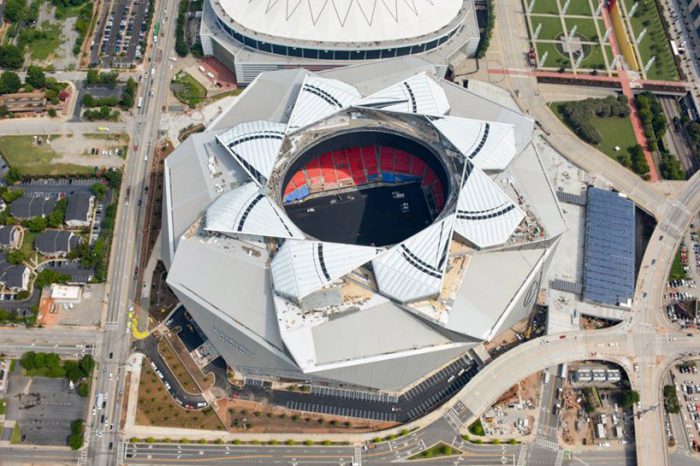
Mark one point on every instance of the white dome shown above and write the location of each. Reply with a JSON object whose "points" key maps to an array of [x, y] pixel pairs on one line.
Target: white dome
{"points": [[343, 21]]}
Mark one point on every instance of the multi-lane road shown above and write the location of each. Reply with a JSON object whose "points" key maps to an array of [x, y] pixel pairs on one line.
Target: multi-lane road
{"points": [[103, 447]]}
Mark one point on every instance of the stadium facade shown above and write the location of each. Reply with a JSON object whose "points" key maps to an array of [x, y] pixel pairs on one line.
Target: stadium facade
{"points": [[253, 36], [362, 226]]}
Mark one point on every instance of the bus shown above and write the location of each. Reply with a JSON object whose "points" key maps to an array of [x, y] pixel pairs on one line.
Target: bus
{"points": [[156, 29], [140, 103]]}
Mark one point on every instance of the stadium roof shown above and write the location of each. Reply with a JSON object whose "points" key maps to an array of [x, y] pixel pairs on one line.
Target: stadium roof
{"points": [[345, 21], [339, 305], [608, 269]]}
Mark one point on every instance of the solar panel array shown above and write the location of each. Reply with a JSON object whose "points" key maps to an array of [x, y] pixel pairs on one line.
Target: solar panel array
{"points": [[608, 271]]}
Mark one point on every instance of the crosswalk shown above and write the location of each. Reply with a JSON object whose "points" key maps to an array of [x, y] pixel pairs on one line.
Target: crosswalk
{"points": [[522, 455], [548, 444], [560, 458], [357, 457], [121, 451], [82, 459], [453, 419]]}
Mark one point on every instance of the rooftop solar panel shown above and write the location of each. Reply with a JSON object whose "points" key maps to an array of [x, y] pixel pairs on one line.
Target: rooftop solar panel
{"points": [[609, 272]]}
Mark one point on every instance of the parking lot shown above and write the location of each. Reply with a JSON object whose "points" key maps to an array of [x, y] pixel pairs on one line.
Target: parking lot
{"points": [[121, 34], [686, 380], [680, 296], [44, 408]]}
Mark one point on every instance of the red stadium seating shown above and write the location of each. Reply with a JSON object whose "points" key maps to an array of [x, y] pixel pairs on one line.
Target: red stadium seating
{"points": [[386, 159], [417, 166], [402, 162], [369, 158]]}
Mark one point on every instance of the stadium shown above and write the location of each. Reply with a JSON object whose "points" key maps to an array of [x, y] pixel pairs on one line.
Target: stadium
{"points": [[361, 227], [250, 37]]}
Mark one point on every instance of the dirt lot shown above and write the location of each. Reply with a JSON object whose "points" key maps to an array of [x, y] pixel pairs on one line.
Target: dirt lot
{"points": [[157, 408], [517, 404], [248, 416], [76, 149]]}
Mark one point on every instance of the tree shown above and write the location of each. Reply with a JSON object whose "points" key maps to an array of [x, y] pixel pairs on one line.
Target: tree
{"points": [[13, 176], [36, 224], [15, 10], [10, 195], [36, 77], [15, 256], [99, 190], [9, 82], [56, 217], [11, 57], [47, 276], [629, 398], [77, 430]]}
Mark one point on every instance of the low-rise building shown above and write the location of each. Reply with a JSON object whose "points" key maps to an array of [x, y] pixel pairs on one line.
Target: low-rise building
{"points": [[56, 243], [614, 375], [24, 102], [599, 375], [13, 277], [583, 375], [32, 206], [79, 210], [10, 236], [66, 293]]}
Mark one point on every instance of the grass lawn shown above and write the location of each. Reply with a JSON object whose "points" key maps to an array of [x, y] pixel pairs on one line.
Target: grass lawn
{"points": [[41, 49], [476, 428], [33, 160], [67, 11], [614, 131], [544, 6], [677, 272], [16, 437], [28, 245], [655, 43], [3, 407], [437, 450], [595, 59], [157, 408], [551, 27], [579, 7], [585, 27], [177, 367], [188, 90], [554, 58]]}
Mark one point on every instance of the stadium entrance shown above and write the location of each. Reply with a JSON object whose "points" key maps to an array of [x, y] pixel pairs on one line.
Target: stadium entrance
{"points": [[376, 194]]}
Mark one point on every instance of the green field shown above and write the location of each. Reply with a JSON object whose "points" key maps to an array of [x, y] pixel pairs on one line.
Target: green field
{"points": [[42, 43], [544, 7], [655, 43], [677, 272], [595, 59], [614, 131], [579, 7], [554, 58], [188, 90], [33, 160], [585, 27], [551, 27]]}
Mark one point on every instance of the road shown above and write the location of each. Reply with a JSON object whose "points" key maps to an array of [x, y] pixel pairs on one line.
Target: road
{"points": [[115, 348], [676, 139]]}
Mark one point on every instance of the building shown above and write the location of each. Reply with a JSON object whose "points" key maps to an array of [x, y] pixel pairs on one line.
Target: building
{"points": [[56, 243], [66, 294], [24, 102], [79, 210], [10, 236], [355, 224], [251, 37], [609, 251], [583, 375], [13, 277], [32, 206]]}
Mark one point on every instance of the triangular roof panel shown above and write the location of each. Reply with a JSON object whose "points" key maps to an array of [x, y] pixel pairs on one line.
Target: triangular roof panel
{"points": [[247, 211], [486, 216], [301, 267], [414, 269], [255, 145], [417, 94], [488, 145], [319, 98]]}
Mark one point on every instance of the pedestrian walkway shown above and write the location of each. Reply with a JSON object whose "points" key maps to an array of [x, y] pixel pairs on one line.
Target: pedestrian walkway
{"points": [[354, 394]]}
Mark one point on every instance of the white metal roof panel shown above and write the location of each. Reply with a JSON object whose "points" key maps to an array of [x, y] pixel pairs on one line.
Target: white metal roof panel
{"points": [[343, 21], [319, 98], [414, 269], [255, 145], [486, 216], [301, 267], [247, 211], [490, 146], [417, 94]]}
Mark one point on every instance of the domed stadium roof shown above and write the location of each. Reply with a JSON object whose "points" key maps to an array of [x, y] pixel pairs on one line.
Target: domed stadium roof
{"points": [[345, 21]]}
